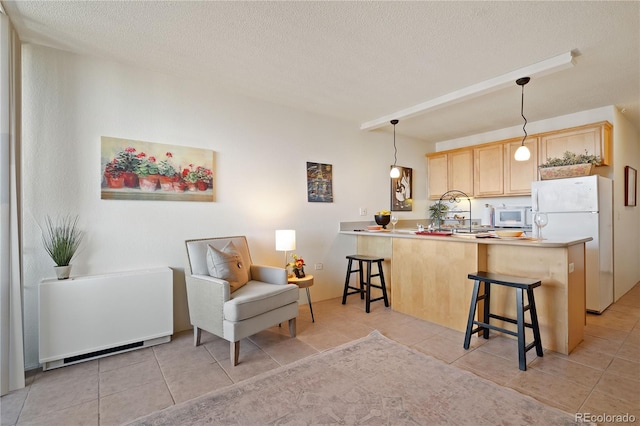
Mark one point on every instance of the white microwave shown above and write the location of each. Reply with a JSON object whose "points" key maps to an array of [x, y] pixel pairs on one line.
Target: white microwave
{"points": [[512, 217]]}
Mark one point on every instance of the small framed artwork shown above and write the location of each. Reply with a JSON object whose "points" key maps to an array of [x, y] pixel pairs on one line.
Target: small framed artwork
{"points": [[319, 183], [630, 186], [401, 190]]}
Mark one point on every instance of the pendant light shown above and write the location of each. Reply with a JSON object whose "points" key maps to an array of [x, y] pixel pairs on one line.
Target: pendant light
{"points": [[522, 153], [395, 172]]}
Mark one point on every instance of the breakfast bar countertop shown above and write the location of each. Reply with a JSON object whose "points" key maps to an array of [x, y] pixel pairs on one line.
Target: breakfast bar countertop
{"points": [[469, 238]]}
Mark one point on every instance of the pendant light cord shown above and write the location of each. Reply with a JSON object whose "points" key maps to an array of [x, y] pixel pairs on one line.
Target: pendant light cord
{"points": [[522, 82], [395, 153], [523, 117]]}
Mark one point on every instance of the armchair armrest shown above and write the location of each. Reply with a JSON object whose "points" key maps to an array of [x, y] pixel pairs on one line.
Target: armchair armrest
{"points": [[269, 274], [206, 296]]}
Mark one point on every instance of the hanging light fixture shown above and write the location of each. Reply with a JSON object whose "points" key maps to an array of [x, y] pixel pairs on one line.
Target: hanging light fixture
{"points": [[395, 172], [522, 153]]}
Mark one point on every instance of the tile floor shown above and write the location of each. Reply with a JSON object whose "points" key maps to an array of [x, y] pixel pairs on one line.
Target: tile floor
{"points": [[601, 376]]}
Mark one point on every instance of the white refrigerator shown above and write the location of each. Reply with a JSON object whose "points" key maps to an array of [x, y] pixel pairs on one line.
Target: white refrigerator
{"points": [[582, 207]]}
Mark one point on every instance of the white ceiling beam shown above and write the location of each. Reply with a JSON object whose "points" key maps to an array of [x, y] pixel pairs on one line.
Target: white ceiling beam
{"points": [[548, 66]]}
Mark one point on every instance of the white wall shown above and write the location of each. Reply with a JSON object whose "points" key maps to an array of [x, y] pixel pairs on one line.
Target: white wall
{"points": [[626, 220], [261, 150]]}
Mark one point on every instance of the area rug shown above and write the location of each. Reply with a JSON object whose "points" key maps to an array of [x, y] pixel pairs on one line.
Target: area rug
{"points": [[372, 381]]}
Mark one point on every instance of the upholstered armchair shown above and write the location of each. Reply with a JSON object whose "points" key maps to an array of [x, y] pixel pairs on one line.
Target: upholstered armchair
{"points": [[240, 299]]}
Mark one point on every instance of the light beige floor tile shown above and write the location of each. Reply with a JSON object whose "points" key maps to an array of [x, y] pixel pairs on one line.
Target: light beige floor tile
{"points": [[605, 332], [192, 358], [619, 387], [194, 382], [122, 407], [629, 310], [124, 359], [85, 414], [59, 394], [566, 369], [506, 348], [592, 359], [289, 351], [598, 344], [442, 348], [220, 349], [552, 390], [613, 319], [625, 368], [11, 405], [59, 376], [324, 339], [128, 377], [629, 350], [599, 403], [489, 366], [251, 364]]}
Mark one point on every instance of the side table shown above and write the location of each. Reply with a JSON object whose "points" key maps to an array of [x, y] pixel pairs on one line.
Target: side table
{"points": [[304, 282]]}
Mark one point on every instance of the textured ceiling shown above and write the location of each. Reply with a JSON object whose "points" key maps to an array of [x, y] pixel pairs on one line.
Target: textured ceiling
{"points": [[360, 61]]}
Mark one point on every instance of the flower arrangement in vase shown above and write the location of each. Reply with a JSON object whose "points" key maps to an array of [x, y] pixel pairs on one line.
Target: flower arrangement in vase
{"points": [[297, 265]]}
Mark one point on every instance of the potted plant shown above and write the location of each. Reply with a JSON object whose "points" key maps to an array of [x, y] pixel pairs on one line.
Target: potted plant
{"points": [[437, 212], [129, 161], [147, 171], [205, 176], [190, 176], [113, 174], [167, 173], [569, 165], [61, 240]]}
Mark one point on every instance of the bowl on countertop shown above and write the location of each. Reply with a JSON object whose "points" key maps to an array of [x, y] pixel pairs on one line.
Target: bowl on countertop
{"points": [[512, 234], [382, 219]]}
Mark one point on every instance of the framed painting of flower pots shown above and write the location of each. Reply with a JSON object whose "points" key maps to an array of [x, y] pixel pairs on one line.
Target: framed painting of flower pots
{"points": [[319, 183], [401, 190], [137, 170]]}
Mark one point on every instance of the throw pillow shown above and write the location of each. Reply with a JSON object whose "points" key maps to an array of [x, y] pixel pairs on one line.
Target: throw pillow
{"points": [[226, 264]]}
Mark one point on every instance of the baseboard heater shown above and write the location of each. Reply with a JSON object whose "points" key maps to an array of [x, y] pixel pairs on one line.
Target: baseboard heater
{"points": [[90, 317]]}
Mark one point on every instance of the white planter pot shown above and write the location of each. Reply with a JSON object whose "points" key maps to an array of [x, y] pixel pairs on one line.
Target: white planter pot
{"points": [[63, 272]]}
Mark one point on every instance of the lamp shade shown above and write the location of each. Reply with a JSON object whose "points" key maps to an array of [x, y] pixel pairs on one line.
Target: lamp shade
{"points": [[522, 153], [285, 239]]}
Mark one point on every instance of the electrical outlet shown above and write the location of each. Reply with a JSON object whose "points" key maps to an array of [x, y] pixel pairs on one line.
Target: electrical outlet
{"points": [[363, 211], [319, 266]]}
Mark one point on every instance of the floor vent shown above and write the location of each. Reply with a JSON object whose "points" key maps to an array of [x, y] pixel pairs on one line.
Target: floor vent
{"points": [[103, 352]]}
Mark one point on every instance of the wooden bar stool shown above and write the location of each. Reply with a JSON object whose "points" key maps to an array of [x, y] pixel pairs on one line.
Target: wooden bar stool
{"points": [[364, 288], [521, 285]]}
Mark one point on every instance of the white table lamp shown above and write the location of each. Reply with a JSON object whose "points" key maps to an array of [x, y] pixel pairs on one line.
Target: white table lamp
{"points": [[285, 241]]}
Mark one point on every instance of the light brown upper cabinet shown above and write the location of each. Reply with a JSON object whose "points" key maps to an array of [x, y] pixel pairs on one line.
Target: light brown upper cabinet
{"points": [[518, 175], [488, 170], [595, 138], [437, 174], [461, 171], [450, 170]]}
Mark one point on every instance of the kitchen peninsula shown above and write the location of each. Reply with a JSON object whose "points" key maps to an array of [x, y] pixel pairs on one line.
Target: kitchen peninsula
{"points": [[429, 278]]}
